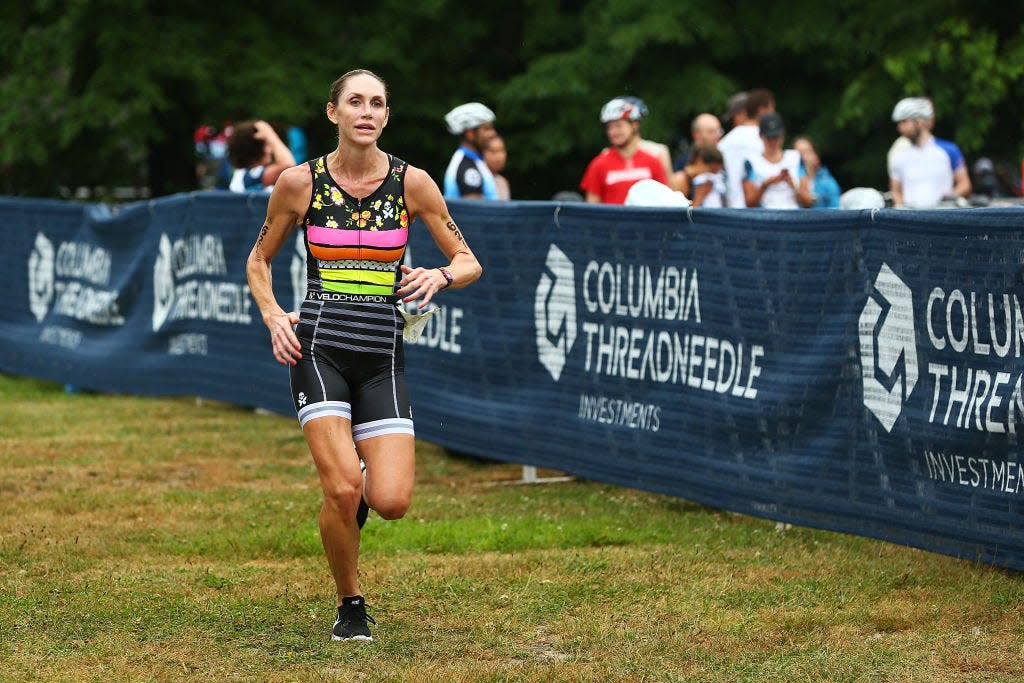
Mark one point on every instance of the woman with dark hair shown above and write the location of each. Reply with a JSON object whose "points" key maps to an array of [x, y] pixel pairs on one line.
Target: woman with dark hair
{"points": [[824, 187], [343, 347], [258, 156]]}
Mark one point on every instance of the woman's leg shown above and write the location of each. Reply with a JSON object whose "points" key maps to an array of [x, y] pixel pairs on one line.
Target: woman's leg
{"points": [[390, 473], [330, 442]]}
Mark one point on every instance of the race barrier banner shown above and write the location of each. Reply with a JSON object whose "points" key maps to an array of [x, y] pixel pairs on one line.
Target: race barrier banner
{"points": [[859, 371]]}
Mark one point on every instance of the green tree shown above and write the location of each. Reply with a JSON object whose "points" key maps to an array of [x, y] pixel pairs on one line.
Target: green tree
{"points": [[106, 92]]}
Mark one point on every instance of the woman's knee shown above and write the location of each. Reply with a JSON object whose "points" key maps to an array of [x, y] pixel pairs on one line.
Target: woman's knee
{"points": [[342, 496], [392, 507]]}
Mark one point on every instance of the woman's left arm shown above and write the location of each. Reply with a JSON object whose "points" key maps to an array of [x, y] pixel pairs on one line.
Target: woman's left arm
{"points": [[425, 202]]}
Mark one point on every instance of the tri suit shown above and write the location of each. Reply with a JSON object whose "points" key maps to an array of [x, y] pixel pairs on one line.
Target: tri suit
{"points": [[349, 327]]}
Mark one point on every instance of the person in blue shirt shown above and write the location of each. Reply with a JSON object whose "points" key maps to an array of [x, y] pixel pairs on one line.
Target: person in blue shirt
{"points": [[467, 176], [823, 186]]}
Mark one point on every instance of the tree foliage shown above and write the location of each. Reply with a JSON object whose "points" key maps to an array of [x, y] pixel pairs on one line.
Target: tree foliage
{"points": [[100, 92]]}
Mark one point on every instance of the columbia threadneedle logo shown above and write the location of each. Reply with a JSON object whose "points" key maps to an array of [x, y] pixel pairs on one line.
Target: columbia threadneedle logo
{"points": [[888, 353], [41, 277], [555, 312]]}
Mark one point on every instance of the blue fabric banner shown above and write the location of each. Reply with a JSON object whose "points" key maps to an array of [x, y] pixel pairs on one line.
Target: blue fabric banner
{"points": [[856, 371]]}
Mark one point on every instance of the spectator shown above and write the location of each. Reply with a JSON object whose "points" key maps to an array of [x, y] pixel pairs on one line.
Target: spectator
{"points": [[705, 177], [775, 179], [656, 149], [211, 147], [258, 156], [467, 176], [961, 176], [736, 109], [984, 179], [920, 174], [495, 157], [297, 143], [992, 180], [824, 187], [744, 142], [705, 130], [612, 172]]}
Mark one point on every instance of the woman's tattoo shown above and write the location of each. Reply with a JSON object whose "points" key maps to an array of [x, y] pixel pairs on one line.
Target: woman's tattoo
{"points": [[454, 229], [263, 233]]}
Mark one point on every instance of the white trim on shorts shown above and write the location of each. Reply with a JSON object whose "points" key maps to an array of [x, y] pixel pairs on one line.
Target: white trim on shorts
{"points": [[389, 425], [324, 409]]}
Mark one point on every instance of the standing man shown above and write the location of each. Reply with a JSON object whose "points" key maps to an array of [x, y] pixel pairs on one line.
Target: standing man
{"points": [[657, 149], [744, 142], [961, 177], [920, 173], [612, 172], [467, 176]]}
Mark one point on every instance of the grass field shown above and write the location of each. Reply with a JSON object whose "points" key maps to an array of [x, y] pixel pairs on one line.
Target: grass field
{"points": [[163, 540]]}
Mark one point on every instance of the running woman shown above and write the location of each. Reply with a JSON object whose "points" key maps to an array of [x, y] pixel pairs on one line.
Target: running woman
{"points": [[344, 346]]}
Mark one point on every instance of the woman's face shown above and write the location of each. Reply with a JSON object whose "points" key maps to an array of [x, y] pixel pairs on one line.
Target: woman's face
{"points": [[807, 151], [495, 155], [773, 143], [361, 111]]}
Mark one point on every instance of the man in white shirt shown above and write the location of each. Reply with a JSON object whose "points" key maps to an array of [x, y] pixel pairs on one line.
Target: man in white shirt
{"points": [[920, 175], [743, 142]]}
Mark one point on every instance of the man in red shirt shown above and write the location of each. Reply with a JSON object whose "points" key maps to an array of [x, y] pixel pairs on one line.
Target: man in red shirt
{"points": [[612, 172]]}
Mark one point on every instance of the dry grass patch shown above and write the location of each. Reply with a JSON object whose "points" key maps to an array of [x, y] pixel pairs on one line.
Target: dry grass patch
{"points": [[161, 540]]}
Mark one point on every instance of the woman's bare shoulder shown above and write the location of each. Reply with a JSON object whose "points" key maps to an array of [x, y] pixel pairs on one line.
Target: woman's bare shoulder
{"points": [[295, 178]]}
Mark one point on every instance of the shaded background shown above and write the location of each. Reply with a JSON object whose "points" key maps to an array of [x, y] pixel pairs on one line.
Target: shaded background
{"points": [[105, 93]]}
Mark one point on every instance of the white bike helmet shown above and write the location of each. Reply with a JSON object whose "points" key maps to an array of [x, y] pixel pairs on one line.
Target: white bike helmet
{"points": [[467, 116], [622, 108], [912, 108]]}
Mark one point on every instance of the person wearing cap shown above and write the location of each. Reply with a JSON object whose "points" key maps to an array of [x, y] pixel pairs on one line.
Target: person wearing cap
{"points": [[611, 173], [744, 142], [776, 179], [467, 175], [920, 174]]}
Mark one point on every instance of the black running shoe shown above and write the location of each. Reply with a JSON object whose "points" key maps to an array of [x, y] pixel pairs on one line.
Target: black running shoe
{"points": [[351, 623], [362, 512]]}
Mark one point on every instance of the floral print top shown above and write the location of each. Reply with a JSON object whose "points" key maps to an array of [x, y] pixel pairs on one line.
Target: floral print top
{"points": [[355, 246]]}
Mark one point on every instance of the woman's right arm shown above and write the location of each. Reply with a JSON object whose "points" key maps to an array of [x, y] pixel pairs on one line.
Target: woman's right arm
{"points": [[286, 208]]}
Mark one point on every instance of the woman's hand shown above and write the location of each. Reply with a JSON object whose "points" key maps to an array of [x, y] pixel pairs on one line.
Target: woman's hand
{"points": [[285, 344], [420, 283]]}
